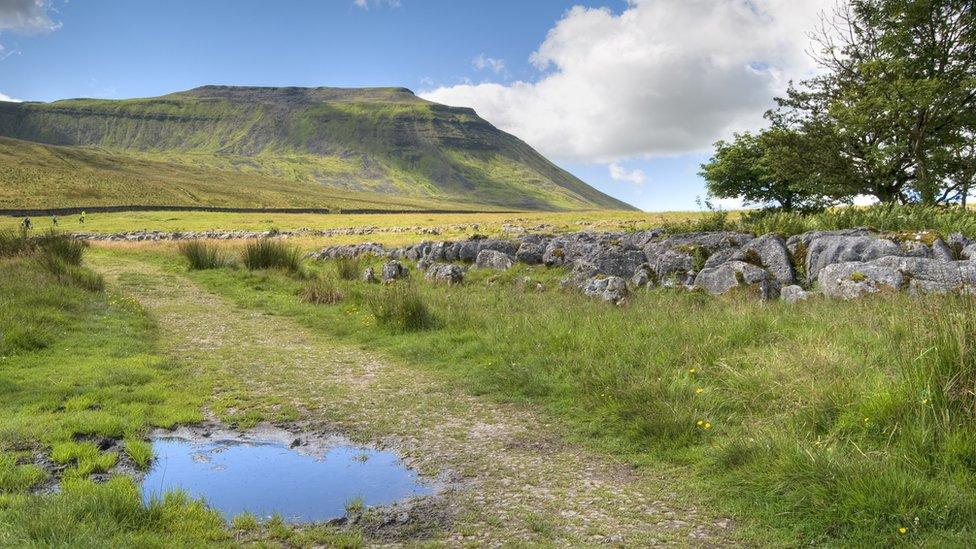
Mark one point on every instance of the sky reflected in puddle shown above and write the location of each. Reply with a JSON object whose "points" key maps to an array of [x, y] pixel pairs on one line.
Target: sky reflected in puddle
{"points": [[267, 477]]}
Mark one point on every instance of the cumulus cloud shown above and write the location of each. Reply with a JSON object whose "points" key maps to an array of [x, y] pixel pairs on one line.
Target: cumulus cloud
{"points": [[5, 97], [661, 77], [620, 173], [483, 62]]}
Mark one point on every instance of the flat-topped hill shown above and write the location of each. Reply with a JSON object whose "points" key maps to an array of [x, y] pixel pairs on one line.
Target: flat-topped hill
{"points": [[379, 141]]}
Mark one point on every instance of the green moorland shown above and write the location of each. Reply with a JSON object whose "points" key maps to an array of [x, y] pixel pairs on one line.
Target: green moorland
{"points": [[830, 422], [34, 175], [318, 143]]}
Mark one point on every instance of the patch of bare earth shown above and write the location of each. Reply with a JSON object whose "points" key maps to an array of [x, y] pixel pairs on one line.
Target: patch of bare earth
{"points": [[509, 475]]}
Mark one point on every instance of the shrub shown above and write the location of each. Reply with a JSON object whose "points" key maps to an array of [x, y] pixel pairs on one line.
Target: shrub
{"points": [[321, 290], [202, 255], [347, 268], [401, 308], [271, 254]]}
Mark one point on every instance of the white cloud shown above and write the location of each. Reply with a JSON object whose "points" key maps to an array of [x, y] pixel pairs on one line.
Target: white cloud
{"points": [[483, 62], [367, 4], [662, 77], [5, 97], [26, 16], [620, 173]]}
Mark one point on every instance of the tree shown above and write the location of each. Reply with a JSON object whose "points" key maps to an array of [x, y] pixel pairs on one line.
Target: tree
{"points": [[760, 169], [894, 99]]}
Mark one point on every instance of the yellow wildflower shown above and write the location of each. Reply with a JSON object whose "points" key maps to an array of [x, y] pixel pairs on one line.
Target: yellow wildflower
{"points": [[699, 391], [903, 530], [707, 425]]}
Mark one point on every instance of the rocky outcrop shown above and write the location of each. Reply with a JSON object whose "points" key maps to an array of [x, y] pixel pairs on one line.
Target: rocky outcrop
{"points": [[369, 275], [493, 259], [738, 274], [856, 261], [611, 289], [915, 274], [793, 294], [394, 270], [445, 272]]}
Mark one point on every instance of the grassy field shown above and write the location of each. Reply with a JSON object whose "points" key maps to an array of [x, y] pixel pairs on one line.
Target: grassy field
{"points": [[488, 223], [828, 423], [832, 422]]}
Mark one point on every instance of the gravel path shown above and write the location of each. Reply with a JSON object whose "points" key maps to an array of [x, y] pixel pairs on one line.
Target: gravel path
{"points": [[511, 476]]}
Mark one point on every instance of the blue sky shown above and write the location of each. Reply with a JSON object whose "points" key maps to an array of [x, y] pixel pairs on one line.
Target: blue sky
{"points": [[598, 86]]}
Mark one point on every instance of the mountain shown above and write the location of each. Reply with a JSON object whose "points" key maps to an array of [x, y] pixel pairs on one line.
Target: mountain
{"points": [[253, 146]]}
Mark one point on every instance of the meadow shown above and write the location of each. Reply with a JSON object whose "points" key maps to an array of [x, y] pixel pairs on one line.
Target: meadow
{"points": [[833, 423]]}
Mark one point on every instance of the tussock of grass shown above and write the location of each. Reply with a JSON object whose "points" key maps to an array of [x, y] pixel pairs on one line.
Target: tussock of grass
{"points": [[401, 308], [140, 452], [202, 255], [348, 268], [266, 253], [322, 290]]}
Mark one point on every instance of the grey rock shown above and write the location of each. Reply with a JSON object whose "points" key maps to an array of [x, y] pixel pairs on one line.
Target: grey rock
{"points": [[941, 251], [709, 243], [493, 259], [639, 239], [798, 244], [468, 250], [609, 261], [771, 253], [932, 276], [611, 289], [504, 246], [673, 268], [643, 276], [369, 275], [445, 272], [793, 294], [853, 279], [736, 274], [827, 250], [969, 252], [915, 248], [723, 256], [394, 270], [530, 253]]}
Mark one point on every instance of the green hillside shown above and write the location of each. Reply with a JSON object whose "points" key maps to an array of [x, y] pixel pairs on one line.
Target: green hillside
{"points": [[244, 146]]}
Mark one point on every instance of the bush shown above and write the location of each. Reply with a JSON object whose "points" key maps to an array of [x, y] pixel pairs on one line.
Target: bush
{"points": [[321, 290], [347, 268], [202, 255], [401, 308], [271, 254]]}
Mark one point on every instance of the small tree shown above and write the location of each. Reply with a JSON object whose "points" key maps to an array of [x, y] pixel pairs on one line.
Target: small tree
{"points": [[765, 169]]}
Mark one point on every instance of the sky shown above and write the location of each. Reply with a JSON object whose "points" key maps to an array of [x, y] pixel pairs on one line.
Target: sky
{"points": [[628, 95]]}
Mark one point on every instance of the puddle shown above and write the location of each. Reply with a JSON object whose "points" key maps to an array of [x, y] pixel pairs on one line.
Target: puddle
{"points": [[263, 474]]}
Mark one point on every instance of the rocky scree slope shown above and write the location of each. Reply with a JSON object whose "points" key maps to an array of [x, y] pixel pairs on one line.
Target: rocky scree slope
{"points": [[377, 140], [839, 264]]}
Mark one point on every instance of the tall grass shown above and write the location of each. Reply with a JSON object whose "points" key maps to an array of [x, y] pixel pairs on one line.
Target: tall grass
{"points": [[203, 255], [266, 253], [321, 290], [58, 254], [348, 268], [401, 308]]}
